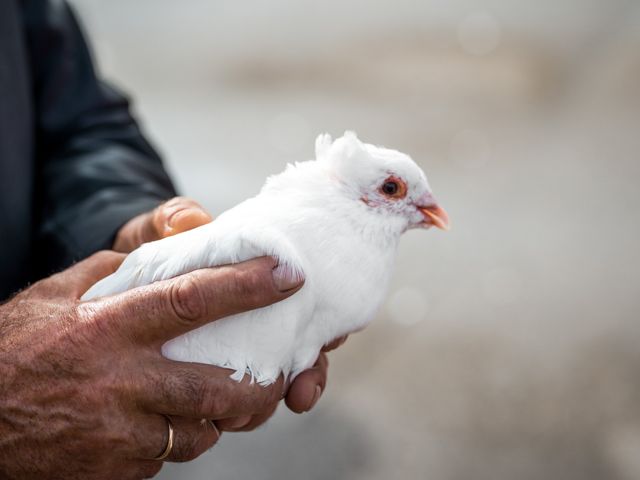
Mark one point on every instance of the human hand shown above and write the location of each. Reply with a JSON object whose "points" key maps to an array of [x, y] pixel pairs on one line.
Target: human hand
{"points": [[178, 215], [83, 385], [170, 218], [306, 389]]}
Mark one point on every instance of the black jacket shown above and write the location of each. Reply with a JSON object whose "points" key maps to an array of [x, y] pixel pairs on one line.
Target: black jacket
{"points": [[74, 166]]}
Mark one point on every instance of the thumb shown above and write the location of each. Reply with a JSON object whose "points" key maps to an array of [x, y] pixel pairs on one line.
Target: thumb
{"points": [[178, 215], [174, 216], [169, 308]]}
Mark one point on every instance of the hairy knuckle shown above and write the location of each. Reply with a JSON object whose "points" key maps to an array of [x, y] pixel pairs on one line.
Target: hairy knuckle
{"points": [[210, 403], [187, 300], [201, 396], [194, 388]]}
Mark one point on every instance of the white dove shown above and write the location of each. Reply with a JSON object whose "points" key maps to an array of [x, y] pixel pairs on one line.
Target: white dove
{"points": [[335, 221]]}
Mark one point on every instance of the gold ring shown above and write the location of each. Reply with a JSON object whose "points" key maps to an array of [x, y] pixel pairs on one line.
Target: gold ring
{"points": [[169, 447]]}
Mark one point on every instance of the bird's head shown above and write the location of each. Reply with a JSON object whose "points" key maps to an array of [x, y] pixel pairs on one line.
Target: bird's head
{"points": [[386, 181]]}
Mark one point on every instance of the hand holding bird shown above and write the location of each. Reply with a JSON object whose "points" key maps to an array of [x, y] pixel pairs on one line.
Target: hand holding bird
{"points": [[179, 215]]}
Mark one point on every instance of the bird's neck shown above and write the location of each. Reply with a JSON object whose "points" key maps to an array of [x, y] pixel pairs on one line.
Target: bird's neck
{"points": [[376, 228]]}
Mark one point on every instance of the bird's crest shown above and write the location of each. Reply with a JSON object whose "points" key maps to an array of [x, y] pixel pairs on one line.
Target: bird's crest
{"points": [[344, 147], [323, 144]]}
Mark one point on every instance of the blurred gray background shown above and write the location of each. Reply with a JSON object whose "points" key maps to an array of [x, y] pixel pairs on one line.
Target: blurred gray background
{"points": [[508, 348]]}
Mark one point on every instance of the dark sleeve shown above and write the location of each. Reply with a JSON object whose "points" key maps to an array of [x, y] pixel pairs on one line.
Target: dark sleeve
{"points": [[95, 169]]}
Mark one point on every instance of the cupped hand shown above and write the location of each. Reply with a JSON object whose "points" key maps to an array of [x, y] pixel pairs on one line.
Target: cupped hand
{"points": [[178, 215], [84, 387]]}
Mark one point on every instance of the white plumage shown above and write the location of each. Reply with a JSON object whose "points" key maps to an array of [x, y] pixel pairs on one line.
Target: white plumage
{"points": [[336, 221]]}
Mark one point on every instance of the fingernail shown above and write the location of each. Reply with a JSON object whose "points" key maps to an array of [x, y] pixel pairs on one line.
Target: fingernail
{"points": [[316, 397], [186, 219], [240, 422], [286, 278], [176, 217]]}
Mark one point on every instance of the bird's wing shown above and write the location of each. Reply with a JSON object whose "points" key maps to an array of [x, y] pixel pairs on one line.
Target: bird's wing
{"points": [[229, 239]]}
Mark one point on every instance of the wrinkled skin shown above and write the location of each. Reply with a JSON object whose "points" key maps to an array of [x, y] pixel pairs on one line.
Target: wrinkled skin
{"points": [[84, 387]]}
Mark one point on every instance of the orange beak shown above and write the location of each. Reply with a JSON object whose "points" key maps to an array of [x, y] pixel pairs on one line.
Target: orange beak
{"points": [[436, 216]]}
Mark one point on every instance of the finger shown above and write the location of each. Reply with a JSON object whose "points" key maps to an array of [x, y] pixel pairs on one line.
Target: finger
{"points": [[195, 390], [335, 344], [234, 424], [191, 438], [135, 232], [164, 310], [246, 423], [147, 468], [178, 215], [174, 216], [77, 279], [306, 389]]}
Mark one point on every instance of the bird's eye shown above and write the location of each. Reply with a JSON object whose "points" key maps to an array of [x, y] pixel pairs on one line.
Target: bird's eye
{"points": [[394, 188], [390, 188]]}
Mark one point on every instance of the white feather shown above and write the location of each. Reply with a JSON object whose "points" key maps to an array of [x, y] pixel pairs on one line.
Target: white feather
{"points": [[312, 220]]}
